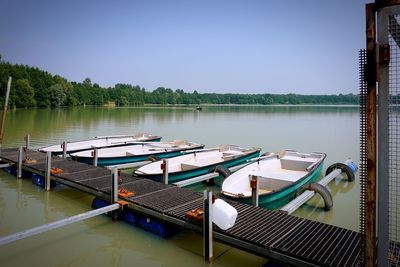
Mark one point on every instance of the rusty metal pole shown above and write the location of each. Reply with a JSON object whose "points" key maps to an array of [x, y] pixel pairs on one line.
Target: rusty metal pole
{"points": [[164, 168], [95, 156], [3, 119], [207, 226], [48, 172], [27, 139], [114, 191], [64, 148], [20, 159], [254, 189], [370, 234], [114, 185]]}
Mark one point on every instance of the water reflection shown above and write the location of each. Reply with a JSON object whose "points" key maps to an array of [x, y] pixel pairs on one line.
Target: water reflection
{"points": [[52, 125], [332, 130]]}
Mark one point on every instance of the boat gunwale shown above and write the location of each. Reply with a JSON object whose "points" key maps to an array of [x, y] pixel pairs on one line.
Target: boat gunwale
{"points": [[199, 146]]}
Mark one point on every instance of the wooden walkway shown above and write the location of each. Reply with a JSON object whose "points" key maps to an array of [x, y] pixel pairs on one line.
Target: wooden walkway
{"points": [[272, 234]]}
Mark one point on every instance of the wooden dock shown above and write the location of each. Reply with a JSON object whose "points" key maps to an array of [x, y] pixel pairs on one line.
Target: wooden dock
{"points": [[271, 234]]}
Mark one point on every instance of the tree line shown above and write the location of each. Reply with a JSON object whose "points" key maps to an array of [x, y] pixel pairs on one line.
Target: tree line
{"points": [[32, 87]]}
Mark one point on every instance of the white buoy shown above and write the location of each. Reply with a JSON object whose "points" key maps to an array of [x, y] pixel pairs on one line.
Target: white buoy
{"points": [[224, 215]]}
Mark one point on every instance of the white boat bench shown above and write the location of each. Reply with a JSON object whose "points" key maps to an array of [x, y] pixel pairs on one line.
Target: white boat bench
{"points": [[295, 165], [274, 180]]}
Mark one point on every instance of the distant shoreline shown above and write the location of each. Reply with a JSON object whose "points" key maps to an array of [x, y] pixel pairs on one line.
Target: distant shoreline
{"points": [[192, 106], [32, 87], [251, 105]]}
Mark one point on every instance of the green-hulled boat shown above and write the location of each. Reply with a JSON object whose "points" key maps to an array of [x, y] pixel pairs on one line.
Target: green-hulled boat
{"points": [[101, 142], [136, 153], [279, 176], [198, 163]]}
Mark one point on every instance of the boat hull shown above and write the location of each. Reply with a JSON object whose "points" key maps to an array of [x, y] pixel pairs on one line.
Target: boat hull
{"points": [[70, 151], [131, 159], [183, 175]]}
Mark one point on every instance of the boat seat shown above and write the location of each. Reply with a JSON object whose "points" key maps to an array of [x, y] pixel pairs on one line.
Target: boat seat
{"points": [[191, 165], [271, 184], [263, 191], [228, 156], [295, 165], [200, 162]]}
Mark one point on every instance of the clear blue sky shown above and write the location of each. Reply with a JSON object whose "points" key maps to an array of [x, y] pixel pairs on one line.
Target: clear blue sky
{"points": [[306, 47]]}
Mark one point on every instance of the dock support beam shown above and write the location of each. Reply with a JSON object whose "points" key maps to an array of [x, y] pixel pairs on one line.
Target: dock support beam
{"points": [[27, 139], [64, 148], [95, 156], [333, 171], [57, 224], [207, 226], [48, 171], [20, 159], [254, 189], [114, 187], [164, 168], [296, 203], [114, 191]]}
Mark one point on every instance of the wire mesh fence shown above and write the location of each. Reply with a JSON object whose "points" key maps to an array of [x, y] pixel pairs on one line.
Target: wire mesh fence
{"points": [[394, 141], [363, 150]]}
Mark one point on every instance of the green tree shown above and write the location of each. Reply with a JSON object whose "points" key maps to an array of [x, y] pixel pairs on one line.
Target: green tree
{"points": [[22, 94], [87, 82], [57, 95]]}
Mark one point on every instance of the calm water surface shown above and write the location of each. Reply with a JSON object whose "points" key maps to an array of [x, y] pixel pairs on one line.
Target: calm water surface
{"points": [[100, 242]]}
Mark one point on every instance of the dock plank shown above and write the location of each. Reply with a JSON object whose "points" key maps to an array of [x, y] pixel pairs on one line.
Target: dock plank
{"points": [[303, 243], [163, 200], [85, 174], [143, 186], [262, 227]]}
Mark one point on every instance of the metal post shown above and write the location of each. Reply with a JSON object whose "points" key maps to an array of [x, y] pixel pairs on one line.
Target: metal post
{"points": [[384, 26], [254, 189], [27, 139], [207, 226], [3, 119], [64, 147], [370, 234], [20, 159], [164, 168], [95, 156], [48, 171], [114, 192]]}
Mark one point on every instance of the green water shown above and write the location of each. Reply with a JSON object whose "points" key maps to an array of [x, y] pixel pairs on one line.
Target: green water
{"points": [[100, 242]]}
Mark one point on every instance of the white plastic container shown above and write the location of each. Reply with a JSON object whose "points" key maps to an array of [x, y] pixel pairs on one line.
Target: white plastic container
{"points": [[224, 215]]}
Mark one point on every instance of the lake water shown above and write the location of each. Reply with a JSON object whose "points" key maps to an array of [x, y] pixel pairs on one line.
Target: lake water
{"points": [[100, 242]]}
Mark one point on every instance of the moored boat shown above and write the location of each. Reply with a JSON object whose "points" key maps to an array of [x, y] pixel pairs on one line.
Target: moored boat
{"points": [[279, 176], [101, 142], [198, 163], [136, 153]]}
